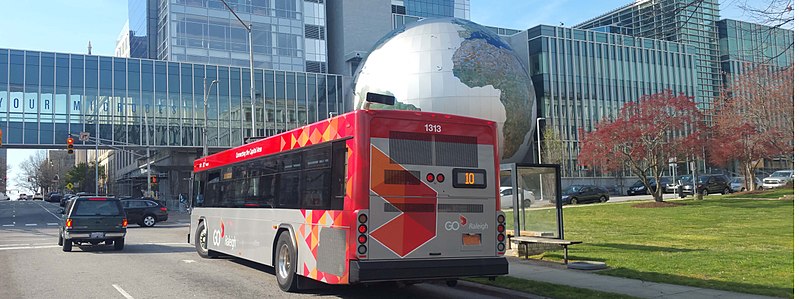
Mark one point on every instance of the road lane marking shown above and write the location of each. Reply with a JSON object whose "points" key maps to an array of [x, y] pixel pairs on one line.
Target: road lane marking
{"points": [[50, 223], [30, 224], [7, 225], [28, 247], [188, 261], [24, 244], [121, 291], [48, 211]]}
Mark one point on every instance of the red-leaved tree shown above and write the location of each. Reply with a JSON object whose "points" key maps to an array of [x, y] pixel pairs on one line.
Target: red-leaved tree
{"points": [[753, 119], [644, 136]]}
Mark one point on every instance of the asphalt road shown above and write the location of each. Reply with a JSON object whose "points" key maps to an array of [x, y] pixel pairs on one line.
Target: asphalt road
{"points": [[156, 263]]}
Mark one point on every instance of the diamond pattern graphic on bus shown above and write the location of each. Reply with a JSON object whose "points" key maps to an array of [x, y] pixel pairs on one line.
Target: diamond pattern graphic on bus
{"points": [[416, 223], [309, 233]]}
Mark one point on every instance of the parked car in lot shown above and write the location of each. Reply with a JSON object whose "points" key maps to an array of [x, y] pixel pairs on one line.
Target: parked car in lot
{"points": [[38, 196], [93, 220], [576, 194], [506, 197], [778, 179], [706, 184], [640, 189], [145, 212], [22, 196], [674, 186], [738, 184]]}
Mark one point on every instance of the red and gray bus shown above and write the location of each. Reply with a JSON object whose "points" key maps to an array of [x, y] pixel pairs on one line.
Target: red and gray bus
{"points": [[366, 196]]}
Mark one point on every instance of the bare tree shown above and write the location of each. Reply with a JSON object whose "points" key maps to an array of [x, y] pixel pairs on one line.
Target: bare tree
{"points": [[31, 171]]}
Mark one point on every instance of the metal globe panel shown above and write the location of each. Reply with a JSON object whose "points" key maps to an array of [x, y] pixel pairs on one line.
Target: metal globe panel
{"points": [[453, 66]]}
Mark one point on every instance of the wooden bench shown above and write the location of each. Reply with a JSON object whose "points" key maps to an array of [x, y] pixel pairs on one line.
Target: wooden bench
{"points": [[524, 240]]}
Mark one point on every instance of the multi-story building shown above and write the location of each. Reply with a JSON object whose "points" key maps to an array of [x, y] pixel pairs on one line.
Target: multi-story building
{"points": [[685, 21], [743, 43], [583, 76], [286, 34], [131, 103]]}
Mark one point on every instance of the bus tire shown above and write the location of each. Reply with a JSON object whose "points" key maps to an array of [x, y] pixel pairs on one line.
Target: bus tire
{"points": [[201, 242], [285, 261]]}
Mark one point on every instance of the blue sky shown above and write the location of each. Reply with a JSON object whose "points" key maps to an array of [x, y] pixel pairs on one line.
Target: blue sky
{"points": [[67, 26]]}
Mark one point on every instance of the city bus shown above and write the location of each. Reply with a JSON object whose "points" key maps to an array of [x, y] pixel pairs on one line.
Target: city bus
{"points": [[366, 196]]}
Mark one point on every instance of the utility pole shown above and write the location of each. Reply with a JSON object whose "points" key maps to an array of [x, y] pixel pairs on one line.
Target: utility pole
{"points": [[205, 119]]}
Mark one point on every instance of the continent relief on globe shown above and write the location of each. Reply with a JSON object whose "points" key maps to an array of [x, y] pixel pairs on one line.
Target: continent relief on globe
{"points": [[482, 60]]}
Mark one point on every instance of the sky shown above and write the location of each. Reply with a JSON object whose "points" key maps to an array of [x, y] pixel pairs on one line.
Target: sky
{"points": [[67, 26]]}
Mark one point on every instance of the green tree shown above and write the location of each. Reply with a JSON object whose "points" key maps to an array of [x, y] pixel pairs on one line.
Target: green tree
{"points": [[82, 175]]}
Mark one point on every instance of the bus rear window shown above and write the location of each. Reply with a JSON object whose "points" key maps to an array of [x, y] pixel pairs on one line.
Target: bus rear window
{"points": [[97, 208], [434, 150]]}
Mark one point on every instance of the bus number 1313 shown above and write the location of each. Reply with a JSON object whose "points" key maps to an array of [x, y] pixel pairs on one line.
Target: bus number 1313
{"points": [[432, 128]]}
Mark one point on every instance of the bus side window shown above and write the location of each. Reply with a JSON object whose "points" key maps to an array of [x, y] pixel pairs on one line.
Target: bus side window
{"points": [[199, 188], [212, 189], [267, 186], [316, 189], [289, 196]]}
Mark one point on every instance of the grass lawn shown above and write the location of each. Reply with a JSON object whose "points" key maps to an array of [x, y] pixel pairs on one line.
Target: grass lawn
{"points": [[740, 245]]}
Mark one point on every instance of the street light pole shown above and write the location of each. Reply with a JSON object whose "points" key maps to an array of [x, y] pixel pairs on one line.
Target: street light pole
{"points": [[205, 119], [252, 71]]}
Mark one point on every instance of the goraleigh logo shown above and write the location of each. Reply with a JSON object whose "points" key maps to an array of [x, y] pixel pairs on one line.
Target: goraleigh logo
{"points": [[219, 237]]}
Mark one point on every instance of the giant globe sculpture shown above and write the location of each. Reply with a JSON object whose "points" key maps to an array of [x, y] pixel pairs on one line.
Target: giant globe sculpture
{"points": [[453, 66]]}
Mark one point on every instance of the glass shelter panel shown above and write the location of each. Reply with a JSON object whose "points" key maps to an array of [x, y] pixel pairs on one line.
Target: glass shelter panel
{"points": [[534, 208]]}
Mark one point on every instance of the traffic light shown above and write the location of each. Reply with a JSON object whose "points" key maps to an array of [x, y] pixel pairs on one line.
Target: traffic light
{"points": [[154, 180], [70, 145], [1, 137]]}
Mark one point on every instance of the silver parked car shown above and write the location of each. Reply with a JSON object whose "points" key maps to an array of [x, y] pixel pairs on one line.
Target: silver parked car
{"points": [[738, 184], [778, 179]]}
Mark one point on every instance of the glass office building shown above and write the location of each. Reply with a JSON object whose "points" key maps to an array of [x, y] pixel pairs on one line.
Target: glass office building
{"points": [[685, 21], [743, 43], [287, 34], [46, 96], [583, 76]]}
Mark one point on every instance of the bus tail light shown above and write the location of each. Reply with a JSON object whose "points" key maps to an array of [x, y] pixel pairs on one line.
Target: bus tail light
{"points": [[430, 177], [362, 232], [501, 238], [68, 223], [440, 178]]}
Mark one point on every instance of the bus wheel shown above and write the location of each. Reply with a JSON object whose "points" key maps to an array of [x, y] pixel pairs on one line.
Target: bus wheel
{"points": [[286, 263], [201, 242], [452, 283]]}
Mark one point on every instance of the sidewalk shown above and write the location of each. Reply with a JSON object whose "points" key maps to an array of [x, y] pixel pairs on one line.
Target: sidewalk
{"points": [[558, 274]]}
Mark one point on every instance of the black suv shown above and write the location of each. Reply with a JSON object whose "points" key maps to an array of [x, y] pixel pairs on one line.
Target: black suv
{"points": [[144, 212], [93, 220], [706, 184]]}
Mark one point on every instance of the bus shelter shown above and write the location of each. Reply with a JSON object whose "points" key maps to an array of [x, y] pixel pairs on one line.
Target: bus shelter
{"points": [[530, 194]]}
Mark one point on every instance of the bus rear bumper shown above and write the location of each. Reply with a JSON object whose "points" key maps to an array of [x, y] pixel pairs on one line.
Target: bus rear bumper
{"points": [[373, 271]]}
